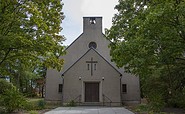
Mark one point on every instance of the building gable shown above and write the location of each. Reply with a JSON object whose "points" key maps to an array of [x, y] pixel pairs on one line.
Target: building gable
{"points": [[97, 54], [91, 33]]}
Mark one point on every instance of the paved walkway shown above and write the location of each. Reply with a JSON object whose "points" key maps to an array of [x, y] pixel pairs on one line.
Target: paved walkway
{"points": [[90, 110]]}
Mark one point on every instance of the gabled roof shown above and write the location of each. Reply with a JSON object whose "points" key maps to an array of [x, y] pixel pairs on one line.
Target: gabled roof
{"points": [[84, 55], [74, 41], [80, 37]]}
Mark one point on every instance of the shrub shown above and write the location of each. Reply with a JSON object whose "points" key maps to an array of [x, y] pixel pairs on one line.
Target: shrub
{"points": [[142, 108], [30, 106], [12, 99], [35, 105], [33, 112], [177, 100], [41, 104], [72, 103], [2, 110], [4, 85], [156, 102]]}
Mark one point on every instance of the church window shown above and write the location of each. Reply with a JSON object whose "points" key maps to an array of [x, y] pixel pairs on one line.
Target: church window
{"points": [[92, 20], [124, 88], [94, 66], [93, 45], [60, 86], [87, 66]]}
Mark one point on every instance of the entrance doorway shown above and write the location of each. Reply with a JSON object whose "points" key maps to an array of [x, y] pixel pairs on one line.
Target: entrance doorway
{"points": [[92, 92]]}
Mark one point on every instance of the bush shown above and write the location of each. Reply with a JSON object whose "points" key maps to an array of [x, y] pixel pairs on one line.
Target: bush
{"points": [[41, 104], [156, 102], [35, 105], [4, 85], [12, 99], [33, 112], [142, 108], [177, 100], [72, 103], [30, 106], [2, 110]]}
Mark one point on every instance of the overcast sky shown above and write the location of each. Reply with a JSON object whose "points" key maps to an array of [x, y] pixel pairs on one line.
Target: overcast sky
{"points": [[75, 10]]}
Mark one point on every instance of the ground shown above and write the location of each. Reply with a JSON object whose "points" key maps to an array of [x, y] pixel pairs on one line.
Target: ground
{"points": [[166, 110], [90, 110]]}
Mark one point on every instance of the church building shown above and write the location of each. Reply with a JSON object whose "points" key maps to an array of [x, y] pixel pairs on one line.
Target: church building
{"points": [[88, 76]]}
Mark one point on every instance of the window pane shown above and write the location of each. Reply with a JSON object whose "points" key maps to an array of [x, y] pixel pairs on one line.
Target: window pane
{"points": [[60, 88], [124, 88], [93, 45]]}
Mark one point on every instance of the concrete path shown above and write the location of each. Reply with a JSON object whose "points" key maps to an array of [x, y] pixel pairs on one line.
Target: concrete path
{"points": [[90, 110]]}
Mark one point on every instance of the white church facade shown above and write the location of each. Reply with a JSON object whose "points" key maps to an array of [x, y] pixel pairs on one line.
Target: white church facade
{"points": [[88, 75]]}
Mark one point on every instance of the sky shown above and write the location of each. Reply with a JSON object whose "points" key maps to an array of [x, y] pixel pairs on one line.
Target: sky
{"points": [[75, 10]]}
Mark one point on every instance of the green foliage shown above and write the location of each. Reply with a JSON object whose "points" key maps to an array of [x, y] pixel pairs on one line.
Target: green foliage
{"points": [[155, 91], [35, 104], [30, 106], [72, 103], [4, 85], [29, 34], [2, 110], [156, 102], [12, 99], [177, 100], [148, 39], [142, 108], [33, 112], [41, 104]]}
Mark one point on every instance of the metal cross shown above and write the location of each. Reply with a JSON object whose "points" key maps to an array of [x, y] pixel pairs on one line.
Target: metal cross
{"points": [[92, 62]]}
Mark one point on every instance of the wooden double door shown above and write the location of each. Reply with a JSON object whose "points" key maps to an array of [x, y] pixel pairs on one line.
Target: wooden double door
{"points": [[92, 92]]}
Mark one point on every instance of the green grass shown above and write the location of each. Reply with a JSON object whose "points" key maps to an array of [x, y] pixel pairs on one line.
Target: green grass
{"points": [[33, 112], [34, 99], [37, 104], [144, 109]]}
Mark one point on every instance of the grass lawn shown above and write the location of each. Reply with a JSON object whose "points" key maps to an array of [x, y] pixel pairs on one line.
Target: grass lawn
{"points": [[37, 106]]}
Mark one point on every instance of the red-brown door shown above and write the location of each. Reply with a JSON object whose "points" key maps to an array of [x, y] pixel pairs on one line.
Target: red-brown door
{"points": [[92, 92]]}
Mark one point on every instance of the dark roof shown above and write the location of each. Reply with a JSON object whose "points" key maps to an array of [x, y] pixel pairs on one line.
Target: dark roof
{"points": [[84, 55]]}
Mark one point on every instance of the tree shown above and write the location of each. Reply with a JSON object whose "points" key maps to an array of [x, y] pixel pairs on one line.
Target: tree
{"points": [[10, 98], [4, 85], [148, 39], [29, 34]]}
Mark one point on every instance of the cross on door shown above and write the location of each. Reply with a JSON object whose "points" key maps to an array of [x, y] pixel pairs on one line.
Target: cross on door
{"points": [[92, 63]]}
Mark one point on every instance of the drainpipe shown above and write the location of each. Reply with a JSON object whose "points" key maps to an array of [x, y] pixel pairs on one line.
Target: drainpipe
{"points": [[120, 90], [62, 88]]}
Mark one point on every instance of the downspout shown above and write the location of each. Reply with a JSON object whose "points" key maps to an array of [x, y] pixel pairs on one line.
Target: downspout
{"points": [[62, 88], [120, 90]]}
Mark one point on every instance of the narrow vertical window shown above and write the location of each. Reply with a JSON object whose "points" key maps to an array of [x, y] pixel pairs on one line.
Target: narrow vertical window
{"points": [[87, 66], [60, 86], [124, 88], [94, 66]]}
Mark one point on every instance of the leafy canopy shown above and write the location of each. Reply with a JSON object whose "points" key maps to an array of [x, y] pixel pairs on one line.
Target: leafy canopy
{"points": [[29, 33], [148, 39], [148, 34]]}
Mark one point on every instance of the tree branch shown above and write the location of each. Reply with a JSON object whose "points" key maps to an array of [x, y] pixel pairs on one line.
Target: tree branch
{"points": [[6, 55], [181, 59]]}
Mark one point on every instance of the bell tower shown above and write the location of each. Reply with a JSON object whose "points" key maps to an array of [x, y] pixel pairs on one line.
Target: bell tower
{"points": [[91, 24]]}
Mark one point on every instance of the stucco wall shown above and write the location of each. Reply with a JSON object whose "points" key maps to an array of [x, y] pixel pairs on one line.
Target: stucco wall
{"points": [[53, 79], [110, 86]]}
